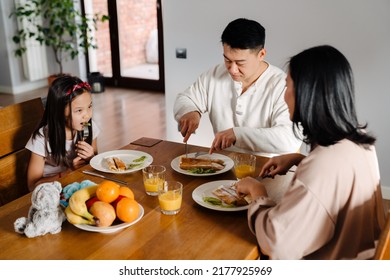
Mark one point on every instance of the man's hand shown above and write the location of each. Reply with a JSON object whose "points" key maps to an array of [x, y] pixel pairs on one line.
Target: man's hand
{"points": [[223, 139], [188, 124]]}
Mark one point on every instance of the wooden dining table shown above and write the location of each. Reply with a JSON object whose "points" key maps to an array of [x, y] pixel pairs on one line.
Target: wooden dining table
{"points": [[195, 233]]}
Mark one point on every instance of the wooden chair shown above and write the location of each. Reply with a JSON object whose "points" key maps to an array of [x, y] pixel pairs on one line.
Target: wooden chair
{"points": [[17, 122], [383, 250]]}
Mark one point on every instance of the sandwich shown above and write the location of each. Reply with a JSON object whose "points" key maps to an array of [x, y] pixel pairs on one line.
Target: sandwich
{"points": [[115, 164], [229, 196], [201, 164]]}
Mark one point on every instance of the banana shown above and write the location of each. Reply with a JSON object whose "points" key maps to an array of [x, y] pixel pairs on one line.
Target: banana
{"points": [[77, 202], [76, 219]]}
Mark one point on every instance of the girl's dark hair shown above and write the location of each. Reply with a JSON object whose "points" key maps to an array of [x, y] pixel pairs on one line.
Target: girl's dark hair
{"points": [[324, 98], [61, 93], [244, 34]]}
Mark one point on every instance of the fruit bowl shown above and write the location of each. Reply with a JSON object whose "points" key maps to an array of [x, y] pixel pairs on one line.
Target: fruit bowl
{"points": [[113, 228]]}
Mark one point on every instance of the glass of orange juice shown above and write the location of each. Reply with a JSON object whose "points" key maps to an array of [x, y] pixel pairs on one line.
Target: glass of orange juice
{"points": [[154, 177], [244, 165], [170, 196]]}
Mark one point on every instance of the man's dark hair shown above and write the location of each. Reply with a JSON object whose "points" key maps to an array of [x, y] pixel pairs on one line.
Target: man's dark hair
{"points": [[244, 34]]}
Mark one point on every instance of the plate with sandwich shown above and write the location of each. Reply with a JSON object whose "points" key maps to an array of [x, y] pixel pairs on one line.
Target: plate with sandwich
{"points": [[121, 161], [221, 196], [205, 165]]}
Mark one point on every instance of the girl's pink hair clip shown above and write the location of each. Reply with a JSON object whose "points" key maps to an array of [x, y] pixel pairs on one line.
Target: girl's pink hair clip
{"points": [[79, 86]]}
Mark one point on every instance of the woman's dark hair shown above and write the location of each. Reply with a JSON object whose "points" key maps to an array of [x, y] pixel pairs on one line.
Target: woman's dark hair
{"points": [[61, 93], [324, 98], [244, 34]]}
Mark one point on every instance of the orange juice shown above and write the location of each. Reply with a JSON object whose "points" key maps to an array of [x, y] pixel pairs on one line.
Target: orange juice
{"points": [[170, 200], [152, 184], [170, 197], [154, 177], [244, 170]]}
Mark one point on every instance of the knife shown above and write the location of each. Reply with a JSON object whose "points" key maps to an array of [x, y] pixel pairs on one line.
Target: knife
{"points": [[186, 147], [104, 177]]}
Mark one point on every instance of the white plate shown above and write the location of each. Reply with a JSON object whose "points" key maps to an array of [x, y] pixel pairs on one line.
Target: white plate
{"points": [[175, 164], [206, 189], [127, 156], [114, 228]]}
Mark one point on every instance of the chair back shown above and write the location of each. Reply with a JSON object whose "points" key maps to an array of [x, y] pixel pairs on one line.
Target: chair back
{"points": [[17, 122], [383, 250]]}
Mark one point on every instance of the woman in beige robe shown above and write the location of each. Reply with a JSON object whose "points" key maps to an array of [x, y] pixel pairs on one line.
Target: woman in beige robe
{"points": [[333, 206]]}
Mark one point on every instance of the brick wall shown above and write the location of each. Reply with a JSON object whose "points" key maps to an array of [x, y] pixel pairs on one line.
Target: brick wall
{"points": [[136, 19]]}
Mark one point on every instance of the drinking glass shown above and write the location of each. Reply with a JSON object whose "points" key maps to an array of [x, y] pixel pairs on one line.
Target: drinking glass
{"points": [[154, 177], [244, 165], [170, 196]]}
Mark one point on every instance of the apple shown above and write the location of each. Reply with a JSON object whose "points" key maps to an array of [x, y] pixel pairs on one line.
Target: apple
{"points": [[91, 201], [115, 202]]}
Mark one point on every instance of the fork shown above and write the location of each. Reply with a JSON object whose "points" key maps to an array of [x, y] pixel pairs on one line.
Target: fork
{"points": [[199, 154], [85, 133]]}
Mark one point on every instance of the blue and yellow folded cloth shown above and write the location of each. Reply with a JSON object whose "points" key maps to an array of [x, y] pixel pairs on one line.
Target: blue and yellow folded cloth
{"points": [[70, 189]]}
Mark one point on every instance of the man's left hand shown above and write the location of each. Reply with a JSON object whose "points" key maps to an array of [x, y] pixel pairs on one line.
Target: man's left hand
{"points": [[223, 139]]}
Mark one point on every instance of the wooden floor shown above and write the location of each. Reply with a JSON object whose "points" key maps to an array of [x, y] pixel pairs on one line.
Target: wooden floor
{"points": [[126, 115], [123, 115]]}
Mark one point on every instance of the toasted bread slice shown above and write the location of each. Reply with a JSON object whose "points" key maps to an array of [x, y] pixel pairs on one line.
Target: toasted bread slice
{"points": [[111, 164], [115, 164], [216, 160], [229, 196], [205, 163], [120, 165]]}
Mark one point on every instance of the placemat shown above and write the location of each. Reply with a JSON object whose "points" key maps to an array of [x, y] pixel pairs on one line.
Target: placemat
{"points": [[146, 142]]}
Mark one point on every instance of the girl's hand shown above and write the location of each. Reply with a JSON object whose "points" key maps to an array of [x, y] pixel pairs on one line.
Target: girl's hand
{"points": [[251, 186], [279, 165], [84, 151], [78, 162]]}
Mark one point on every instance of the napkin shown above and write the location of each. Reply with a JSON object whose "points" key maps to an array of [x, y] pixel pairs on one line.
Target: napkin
{"points": [[72, 188]]}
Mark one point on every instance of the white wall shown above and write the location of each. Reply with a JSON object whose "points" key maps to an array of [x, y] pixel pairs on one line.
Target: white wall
{"points": [[358, 28], [12, 79]]}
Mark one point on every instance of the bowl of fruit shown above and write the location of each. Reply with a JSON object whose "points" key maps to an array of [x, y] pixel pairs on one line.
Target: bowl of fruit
{"points": [[105, 208]]}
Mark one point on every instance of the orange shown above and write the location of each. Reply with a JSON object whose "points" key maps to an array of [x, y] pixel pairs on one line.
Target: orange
{"points": [[107, 191], [125, 191], [127, 210]]}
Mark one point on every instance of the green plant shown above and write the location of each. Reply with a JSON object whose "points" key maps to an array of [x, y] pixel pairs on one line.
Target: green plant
{"points": [[58, 25]]}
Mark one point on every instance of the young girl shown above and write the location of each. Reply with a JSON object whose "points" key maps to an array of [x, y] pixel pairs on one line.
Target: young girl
{"points": [[333, 206], [56, 145]]}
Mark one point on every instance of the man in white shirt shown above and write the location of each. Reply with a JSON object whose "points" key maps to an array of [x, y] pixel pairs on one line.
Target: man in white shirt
{"points": [[244, 97]]}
